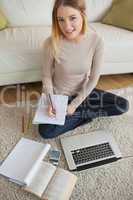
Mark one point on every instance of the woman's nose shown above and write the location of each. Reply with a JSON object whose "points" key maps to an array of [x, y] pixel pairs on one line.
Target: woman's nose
{"points": [[68, 26]]}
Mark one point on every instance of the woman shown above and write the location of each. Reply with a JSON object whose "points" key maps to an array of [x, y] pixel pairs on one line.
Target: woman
{"points": [[73, 57]]}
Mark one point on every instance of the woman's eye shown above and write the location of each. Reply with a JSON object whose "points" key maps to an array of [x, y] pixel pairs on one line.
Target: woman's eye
{"points": [[60, 20], [73, 18]]}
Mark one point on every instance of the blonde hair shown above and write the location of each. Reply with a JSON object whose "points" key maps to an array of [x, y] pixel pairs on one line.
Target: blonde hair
{"points": [[56, 32]]}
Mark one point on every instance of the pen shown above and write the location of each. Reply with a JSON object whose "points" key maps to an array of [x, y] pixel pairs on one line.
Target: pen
{"points": [[50, 101]]}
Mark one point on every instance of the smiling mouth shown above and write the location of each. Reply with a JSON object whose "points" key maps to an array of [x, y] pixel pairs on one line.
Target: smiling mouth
{"points": [[70, 32]]}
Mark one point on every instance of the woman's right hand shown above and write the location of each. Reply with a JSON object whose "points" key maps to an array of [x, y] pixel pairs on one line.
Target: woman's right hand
{"points": [[51, 112]]}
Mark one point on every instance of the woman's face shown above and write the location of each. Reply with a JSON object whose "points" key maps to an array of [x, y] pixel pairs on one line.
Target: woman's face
{"points": [[70, 22]]}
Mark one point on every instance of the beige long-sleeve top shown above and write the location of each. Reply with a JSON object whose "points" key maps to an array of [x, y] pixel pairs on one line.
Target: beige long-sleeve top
{"points": [[78, 67]]}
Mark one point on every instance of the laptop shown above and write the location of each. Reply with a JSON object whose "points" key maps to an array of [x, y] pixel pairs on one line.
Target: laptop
{"points": [[90, 150]]}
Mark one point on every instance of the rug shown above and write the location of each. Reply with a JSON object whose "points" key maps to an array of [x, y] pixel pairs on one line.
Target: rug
{"points": [[113, 181]]}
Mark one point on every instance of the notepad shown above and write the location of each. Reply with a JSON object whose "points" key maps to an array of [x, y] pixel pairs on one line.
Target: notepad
{"points": [[59, 102]]}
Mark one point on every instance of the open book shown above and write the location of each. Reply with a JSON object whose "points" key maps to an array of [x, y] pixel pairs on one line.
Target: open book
{"points": [[27, 152], [52, 183], [36, 175], [59, 103]]}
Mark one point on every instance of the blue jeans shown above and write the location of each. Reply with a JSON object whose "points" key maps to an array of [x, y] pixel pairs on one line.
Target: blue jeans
{"points": [[99, 103]]}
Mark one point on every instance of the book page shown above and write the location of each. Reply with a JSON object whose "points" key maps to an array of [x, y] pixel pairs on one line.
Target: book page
{"points": [[61, 185], [41, 179], [21, 159], [34, 169], [59, 103]]}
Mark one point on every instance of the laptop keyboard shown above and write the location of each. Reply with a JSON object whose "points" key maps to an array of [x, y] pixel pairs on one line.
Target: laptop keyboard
{"points": [[92, 153]]}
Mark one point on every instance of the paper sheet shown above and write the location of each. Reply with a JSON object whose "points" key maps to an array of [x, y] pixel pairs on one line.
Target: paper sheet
{"points": [[41, 179], [22, 158], [60, 104], [61, 185]]}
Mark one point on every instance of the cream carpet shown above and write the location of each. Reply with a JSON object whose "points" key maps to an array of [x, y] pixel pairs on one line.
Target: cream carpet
{"points": [[113, 181]]}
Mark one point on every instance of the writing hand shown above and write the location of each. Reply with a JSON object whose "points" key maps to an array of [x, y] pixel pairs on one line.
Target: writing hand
{"points": [[51, 112]]}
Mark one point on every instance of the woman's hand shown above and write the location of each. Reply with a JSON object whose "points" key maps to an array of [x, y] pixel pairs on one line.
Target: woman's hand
{"points": [[51, 112], [70, 110]]}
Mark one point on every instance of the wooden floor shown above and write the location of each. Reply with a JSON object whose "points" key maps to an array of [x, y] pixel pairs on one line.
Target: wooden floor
{"points": [[107, 82], [13, 93]]}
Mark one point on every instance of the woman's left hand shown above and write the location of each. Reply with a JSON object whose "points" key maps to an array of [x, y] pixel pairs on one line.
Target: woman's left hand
{"points": [[70, 110]]}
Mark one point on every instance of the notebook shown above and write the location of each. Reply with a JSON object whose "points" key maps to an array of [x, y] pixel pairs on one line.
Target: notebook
{"points": [[60, 104], [35, 174]]}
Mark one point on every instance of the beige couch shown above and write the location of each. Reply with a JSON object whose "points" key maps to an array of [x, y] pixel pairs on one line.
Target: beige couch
{"points": [[30, 25]]}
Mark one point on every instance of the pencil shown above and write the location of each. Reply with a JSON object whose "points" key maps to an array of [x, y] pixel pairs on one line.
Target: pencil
{"points": [[29, 122], [28, 119], [31, 118], [23, 123]]}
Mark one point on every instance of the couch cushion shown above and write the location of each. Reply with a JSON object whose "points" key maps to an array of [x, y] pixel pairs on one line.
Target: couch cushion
{"points": [[96, 9], [20, 48], [33, 12], [27, 12], [118, 43], [120, 14], [3, 21]]}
